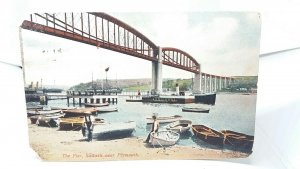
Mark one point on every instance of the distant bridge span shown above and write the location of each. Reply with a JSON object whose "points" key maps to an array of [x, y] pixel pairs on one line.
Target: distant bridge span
{"points": [[104, 31]]}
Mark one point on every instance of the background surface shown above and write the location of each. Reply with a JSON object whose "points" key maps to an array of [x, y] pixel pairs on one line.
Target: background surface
{"points": [[277, 140]]}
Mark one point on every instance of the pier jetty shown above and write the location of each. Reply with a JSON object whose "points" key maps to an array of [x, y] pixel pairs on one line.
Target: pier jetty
{"points": [[91, 97]]}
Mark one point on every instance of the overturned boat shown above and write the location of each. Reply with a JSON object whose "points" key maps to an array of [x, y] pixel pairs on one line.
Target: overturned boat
{"points": [[113, 130]]}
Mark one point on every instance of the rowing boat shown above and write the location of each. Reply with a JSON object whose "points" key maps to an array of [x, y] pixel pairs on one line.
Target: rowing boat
{"points": [[107, 109], [208, 135], [79, 112], [164, 138], [49, 120], [96, 104], [180, 126], [71, 123], [195, 109], [238, 139], [34, 118], [35, 112], [166, 119]]}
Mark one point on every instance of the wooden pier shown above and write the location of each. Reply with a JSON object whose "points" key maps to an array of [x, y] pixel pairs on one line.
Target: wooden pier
{"points": [[91, 97]]}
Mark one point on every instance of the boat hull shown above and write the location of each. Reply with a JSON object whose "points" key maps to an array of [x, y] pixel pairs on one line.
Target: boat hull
{"points": [[50, 120], [71, 123], [238, 140], [208, 135], [47, 122], [96, 104], [180, 126], [106, 110], [198, 110], [79, 112], [33, 119], [164, 138], [113, 130], [165, 119], [41, 112], [209, 98]]}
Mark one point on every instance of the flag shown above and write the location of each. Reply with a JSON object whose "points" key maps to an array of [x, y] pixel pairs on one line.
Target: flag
{"points": [[107, 69]]}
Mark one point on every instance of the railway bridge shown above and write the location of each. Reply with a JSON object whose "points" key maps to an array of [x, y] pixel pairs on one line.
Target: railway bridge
{"points": [[104, 31]]}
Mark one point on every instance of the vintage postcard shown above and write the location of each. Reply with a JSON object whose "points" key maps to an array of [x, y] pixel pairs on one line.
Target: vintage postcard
{"points": [[140, 86]]}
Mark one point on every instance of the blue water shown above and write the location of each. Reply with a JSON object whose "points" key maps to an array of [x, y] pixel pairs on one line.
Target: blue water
{"points": [[231, 111]]}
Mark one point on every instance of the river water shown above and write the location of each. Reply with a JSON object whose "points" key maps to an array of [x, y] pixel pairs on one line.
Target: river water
{"points": [[232, 111]]}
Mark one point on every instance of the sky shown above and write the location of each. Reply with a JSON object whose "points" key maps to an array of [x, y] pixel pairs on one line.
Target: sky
{"points": [[224, 43]]}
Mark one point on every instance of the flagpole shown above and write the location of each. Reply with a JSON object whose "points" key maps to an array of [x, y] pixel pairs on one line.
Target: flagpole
{"points": [[106, 70], [106, 80]]}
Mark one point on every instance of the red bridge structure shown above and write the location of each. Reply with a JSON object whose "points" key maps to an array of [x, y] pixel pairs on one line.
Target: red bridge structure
{"points": [[104, 31]]}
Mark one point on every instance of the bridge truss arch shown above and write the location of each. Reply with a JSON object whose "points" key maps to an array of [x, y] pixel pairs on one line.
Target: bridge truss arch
{"points": [[104, 31], [94, 28], [180, 59]]}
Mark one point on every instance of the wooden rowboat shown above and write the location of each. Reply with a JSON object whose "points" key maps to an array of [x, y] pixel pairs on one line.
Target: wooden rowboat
{"points": [[179, 126], [79, 112], [37, 107], [34, 119], [107, 109], [166, 119], [61, 108], [164, 138], [195, 109], [71, 123], [208, 135], [49, 120], [41, 112], [96, 104], [238, 140]]}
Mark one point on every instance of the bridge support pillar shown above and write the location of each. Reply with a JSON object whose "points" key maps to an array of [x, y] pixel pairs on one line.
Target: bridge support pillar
{"points": [[210, 84], [157, 73], [197, 83], [205, 83], [215, 88], [220, 83]]}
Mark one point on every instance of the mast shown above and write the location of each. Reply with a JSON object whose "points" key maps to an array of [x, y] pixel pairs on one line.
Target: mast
{"points": [[22, 54], [92, 80]]}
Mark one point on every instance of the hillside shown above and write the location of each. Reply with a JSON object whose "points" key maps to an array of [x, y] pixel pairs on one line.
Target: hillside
{"points": [[121, 83], [240, 82]]}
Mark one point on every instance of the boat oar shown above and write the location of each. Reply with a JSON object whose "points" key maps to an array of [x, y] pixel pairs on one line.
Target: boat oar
{"points": [[164, 148]]}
